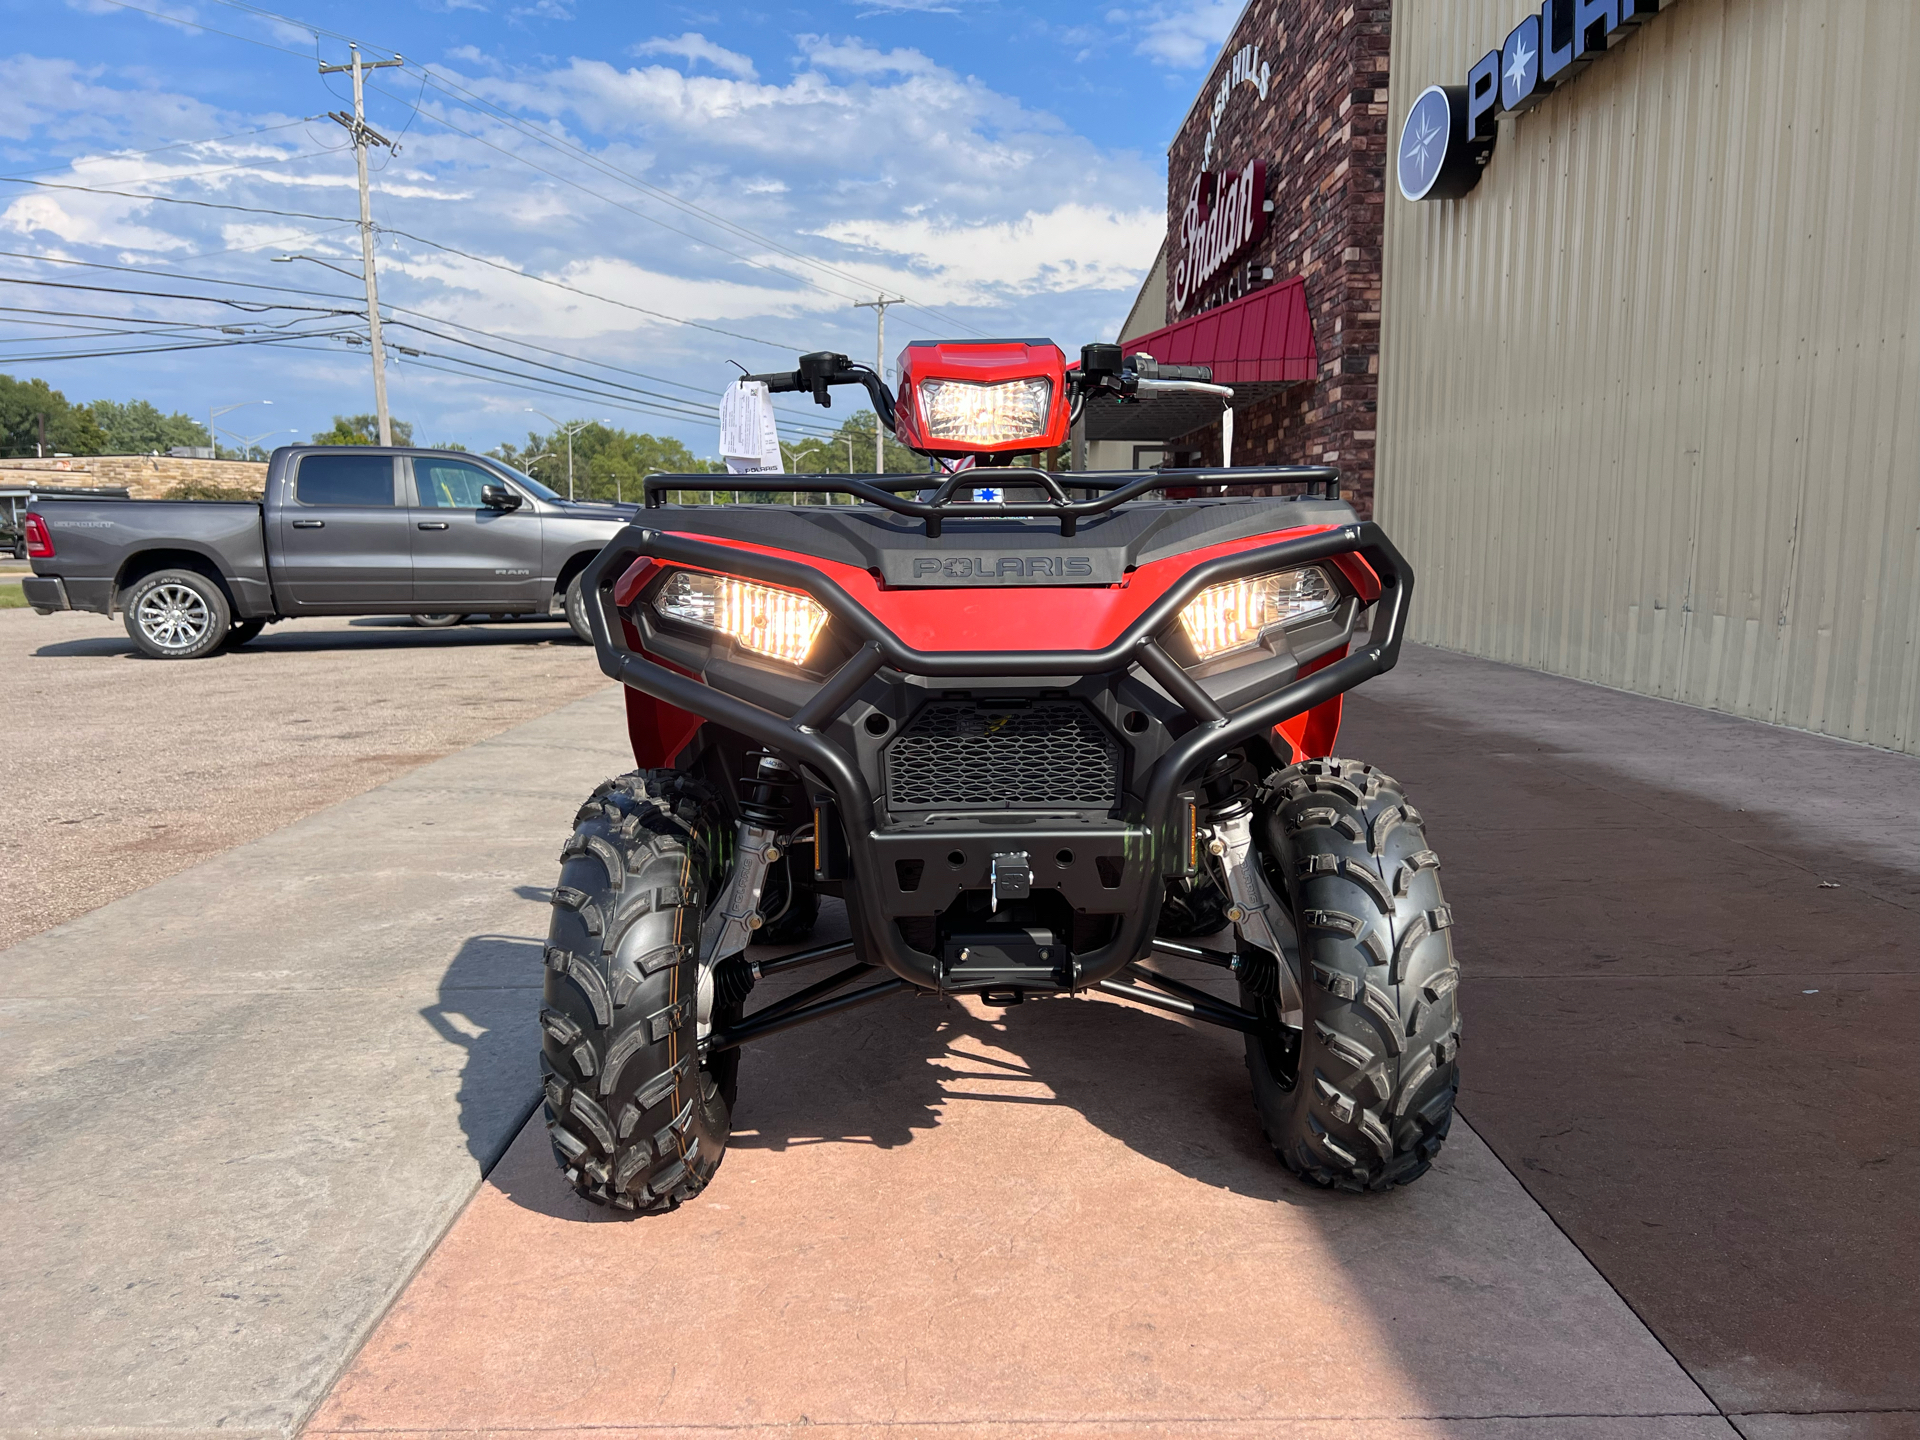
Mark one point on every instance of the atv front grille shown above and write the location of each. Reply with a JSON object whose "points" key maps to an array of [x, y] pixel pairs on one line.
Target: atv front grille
{"points": [[969, 755]]}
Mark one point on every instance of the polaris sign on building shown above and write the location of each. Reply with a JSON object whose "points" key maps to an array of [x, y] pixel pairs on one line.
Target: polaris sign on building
{"points": [[1450, 130], [1649, 369]]}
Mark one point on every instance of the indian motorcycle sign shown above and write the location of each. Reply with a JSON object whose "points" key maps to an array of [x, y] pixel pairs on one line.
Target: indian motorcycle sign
{"points": [[1226, 211], [1225, 216]]}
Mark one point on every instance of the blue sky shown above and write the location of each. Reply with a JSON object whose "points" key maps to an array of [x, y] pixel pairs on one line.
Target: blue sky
{"points": [[575, 183]]}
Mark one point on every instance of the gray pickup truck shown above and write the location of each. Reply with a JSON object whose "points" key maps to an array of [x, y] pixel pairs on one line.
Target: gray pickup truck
{"points": [[346, 530]]}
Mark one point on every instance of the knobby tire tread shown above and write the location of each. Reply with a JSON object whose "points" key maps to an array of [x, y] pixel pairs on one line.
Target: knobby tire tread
{"points": [[637, 1122], [1376, 1072]]}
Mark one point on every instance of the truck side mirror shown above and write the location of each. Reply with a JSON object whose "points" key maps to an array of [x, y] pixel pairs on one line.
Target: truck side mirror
{"points": [[499, 497]]}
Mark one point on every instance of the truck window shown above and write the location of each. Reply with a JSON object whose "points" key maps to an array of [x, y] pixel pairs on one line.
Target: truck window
{"points": [[345, 480], [450, 484]]}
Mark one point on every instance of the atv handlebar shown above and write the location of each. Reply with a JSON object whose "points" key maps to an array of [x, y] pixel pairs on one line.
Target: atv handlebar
{"points": [[825, 368]]}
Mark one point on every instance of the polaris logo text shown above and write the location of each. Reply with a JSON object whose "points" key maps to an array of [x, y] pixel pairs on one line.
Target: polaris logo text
{"points": [[1007, 567]]}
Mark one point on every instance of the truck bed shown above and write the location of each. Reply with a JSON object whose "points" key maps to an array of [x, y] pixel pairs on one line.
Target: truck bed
{"points": [[93, 538]]}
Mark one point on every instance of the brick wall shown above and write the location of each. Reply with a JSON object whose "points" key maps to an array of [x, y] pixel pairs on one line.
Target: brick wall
{"points": [[147, 477], [1323, 132]]}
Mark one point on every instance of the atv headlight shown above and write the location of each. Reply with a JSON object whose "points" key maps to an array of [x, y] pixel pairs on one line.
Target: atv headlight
{"points": [[964, 413], [1222, 619], [780, 624]]}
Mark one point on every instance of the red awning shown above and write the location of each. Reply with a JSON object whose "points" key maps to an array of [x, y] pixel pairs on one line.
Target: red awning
{"points": [[1263, 337]]}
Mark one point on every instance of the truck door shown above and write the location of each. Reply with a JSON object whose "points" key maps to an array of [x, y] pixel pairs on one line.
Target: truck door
{"points": [[343, 537], [465, 556]]}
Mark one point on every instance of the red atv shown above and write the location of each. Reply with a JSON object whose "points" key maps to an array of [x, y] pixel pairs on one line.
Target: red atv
{"points": [[1033, 729]]}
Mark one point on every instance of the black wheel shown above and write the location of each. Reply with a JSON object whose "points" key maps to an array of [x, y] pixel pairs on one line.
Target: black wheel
{"points": [[577, 610], [788, 921], [242, 632], [438, 622], [1192, 910], [1361, 1097], [638, 1121], [177, 615]]}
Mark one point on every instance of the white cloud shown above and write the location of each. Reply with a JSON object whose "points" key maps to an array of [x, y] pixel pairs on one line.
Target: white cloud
{"points": [[883, 164], [1070, 247], [1191, 35], [693, 47], [856, 57]]}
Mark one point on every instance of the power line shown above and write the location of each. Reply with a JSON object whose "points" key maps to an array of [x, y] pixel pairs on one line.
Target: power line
{"points": [[195, 25], [460, 94], [175, 145], [168, 349], [588, 294], [480, 105], [180, 200]]}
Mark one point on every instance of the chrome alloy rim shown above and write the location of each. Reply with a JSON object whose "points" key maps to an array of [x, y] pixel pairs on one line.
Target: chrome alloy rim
{"points": [[174, 617]]}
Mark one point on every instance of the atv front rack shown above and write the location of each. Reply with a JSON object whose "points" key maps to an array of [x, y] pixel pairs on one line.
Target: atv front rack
{"points": [[1164, 819], [1103, 489]]}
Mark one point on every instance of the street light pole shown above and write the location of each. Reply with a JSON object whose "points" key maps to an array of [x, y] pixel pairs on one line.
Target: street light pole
{"points": [[569, 431], [879, 305], [215, 411], [363, 136]]}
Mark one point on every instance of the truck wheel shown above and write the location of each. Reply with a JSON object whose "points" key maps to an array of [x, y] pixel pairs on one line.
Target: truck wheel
{"points": [[242, 632], [577, 611], [437, 622], [1361, 1097], [177, 615], [639, 1121]]}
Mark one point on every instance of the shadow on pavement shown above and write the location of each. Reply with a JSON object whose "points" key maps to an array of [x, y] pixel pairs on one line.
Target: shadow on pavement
{"points": [[488, 1006], [1687, 1024], [882, 1076], [383, 633]]}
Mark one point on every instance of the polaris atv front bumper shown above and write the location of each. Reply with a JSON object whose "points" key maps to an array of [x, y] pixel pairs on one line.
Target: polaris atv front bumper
{"points": [[892, 871]]}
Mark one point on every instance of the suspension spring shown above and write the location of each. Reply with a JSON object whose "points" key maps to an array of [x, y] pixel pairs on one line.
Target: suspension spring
{"points": [[767, 794]]}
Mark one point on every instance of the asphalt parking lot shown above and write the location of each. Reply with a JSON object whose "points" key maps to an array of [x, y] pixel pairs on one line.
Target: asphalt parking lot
{"points": [[1680, 1203], [120, 770]]}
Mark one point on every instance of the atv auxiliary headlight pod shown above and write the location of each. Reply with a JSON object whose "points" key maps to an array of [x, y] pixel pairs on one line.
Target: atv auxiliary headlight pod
{"points": [[779, 624], [961, 412], [1224, 619]]}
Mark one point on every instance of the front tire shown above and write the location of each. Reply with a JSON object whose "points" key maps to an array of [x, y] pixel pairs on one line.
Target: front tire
{"points": [[639, 1122], [177, 615], [1361, 1097]]}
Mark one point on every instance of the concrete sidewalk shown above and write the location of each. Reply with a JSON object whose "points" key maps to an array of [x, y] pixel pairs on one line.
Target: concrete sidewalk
{"points": [[1055, 1220], [240, 1106], [1691, 984], [243, 1105]]}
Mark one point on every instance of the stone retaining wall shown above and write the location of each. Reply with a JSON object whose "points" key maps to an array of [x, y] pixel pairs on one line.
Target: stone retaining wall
{"points": [[147, 477]]}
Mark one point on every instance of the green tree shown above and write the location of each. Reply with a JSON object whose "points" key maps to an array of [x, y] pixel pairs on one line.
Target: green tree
{"points": [[137, 427], [815, 456], [608, 462], [363, 430], [26, 404]]}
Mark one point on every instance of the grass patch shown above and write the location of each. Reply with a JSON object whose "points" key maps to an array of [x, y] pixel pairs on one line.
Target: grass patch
{"points": [[12, 596]]}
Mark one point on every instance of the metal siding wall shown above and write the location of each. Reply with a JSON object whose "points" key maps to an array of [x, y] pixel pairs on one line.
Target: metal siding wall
{"points": [[1650, 395]]}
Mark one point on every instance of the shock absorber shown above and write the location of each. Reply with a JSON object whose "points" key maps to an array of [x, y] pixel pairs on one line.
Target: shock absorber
{"points": [[1256, 912], [766, 796]]}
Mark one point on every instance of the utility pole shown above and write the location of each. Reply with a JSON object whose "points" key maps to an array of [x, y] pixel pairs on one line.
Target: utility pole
{"points": [[356, 126], [878, 305]]}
